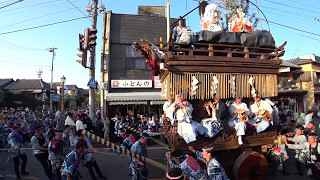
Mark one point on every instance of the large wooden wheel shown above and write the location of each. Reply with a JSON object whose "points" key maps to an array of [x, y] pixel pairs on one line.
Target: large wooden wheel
{"points": [[250, 165]]}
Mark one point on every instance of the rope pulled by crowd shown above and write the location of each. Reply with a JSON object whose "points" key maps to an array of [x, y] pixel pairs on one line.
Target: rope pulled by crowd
{"points": [[124, 150]]}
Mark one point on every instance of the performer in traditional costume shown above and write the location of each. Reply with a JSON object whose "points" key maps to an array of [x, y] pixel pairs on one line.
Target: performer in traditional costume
{"points": [[220, 111], [239, 115], [71, 163], [214, 169], [87, 158], [310, 155], [261, 110], [299, 138], [181, 111], [15, 142], [39, 144], [56, 154], [212, 125], [188, 165], [139, 168]]}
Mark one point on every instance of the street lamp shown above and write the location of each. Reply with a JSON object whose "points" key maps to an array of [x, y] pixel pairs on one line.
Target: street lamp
{"points": [[63, 80]]}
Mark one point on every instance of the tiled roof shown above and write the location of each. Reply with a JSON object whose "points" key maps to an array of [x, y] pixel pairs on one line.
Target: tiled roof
{"points": [[83, 91], [72, 87], [5, 82], [287, 63], [298, 61], [28, 84]]}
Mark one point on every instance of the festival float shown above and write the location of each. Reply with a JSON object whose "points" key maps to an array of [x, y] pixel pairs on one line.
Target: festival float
{"points": [[217, 63]]}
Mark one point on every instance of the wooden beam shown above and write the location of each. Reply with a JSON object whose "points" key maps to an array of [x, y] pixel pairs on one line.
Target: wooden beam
{"points": [[210, 63], [224, 59], [220, 69]]}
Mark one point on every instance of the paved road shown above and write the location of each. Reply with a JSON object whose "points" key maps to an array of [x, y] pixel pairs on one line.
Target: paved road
{"points": [[116, 167]]}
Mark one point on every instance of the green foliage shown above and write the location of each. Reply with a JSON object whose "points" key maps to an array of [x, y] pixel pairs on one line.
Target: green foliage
{"points": [[39, 111], [230, 9], [97, 97]]}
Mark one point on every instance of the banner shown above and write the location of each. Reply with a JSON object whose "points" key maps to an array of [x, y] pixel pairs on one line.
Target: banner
{"points": [[131, 83]]}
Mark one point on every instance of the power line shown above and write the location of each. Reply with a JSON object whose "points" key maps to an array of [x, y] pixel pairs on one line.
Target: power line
{"points": [[20, 63], [30, 6], [77, 9], [9, 32], [11, 4], [18, 47], [302, 4], [315, 34], [38, 17], [301, 18], [308, 10], [285, 11]]}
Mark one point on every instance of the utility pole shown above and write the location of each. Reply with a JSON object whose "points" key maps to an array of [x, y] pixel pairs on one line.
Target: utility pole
{"points": [[51, 84], [92, 65]]}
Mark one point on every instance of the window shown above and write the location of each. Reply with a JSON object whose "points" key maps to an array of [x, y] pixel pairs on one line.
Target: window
{"points": [[133, 59], [129, 52], [135, 63]]}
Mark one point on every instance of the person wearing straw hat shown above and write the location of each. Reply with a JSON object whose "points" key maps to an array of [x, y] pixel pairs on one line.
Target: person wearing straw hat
{"points": [[235, 108], [15, 142], [257, 109], [138, 167], [188, 165], [214, 169], [311, 154]]}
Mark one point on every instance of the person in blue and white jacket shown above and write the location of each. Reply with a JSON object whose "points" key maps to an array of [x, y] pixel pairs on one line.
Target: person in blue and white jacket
{"points": [[214, 169], [15, 142], [71, 163], [187, 164], [55, 149]]}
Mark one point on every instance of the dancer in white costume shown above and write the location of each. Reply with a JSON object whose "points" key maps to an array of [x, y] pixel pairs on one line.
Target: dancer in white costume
{"points": [[256, 109], [235, 108], [180, 111], [211, 125]]}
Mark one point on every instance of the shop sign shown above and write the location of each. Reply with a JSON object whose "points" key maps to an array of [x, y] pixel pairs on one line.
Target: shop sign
{"points": [[131, 83]]}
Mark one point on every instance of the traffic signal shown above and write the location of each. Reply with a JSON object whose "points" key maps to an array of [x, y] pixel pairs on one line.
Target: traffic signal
{"points": [[90, 38], [83, 51], [53, 90]]}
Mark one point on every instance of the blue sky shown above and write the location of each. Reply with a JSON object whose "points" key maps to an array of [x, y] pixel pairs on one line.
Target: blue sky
{"points": [[23, 53]]}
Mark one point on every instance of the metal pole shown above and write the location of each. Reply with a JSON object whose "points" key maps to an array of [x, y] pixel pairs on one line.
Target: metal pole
{"points": [[62, 98], [92, 65], [168, 20], [102, 90], [51, 84]]}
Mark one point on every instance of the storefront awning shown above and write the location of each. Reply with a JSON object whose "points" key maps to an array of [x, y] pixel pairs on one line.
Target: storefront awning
{"points": [[134, 98]]}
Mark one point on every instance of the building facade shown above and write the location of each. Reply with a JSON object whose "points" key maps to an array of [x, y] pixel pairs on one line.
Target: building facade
{"points": [[128, 84], [310, 79]]}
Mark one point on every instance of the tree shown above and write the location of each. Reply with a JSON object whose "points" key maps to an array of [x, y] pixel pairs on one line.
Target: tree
{"points": [[230, 9]]}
